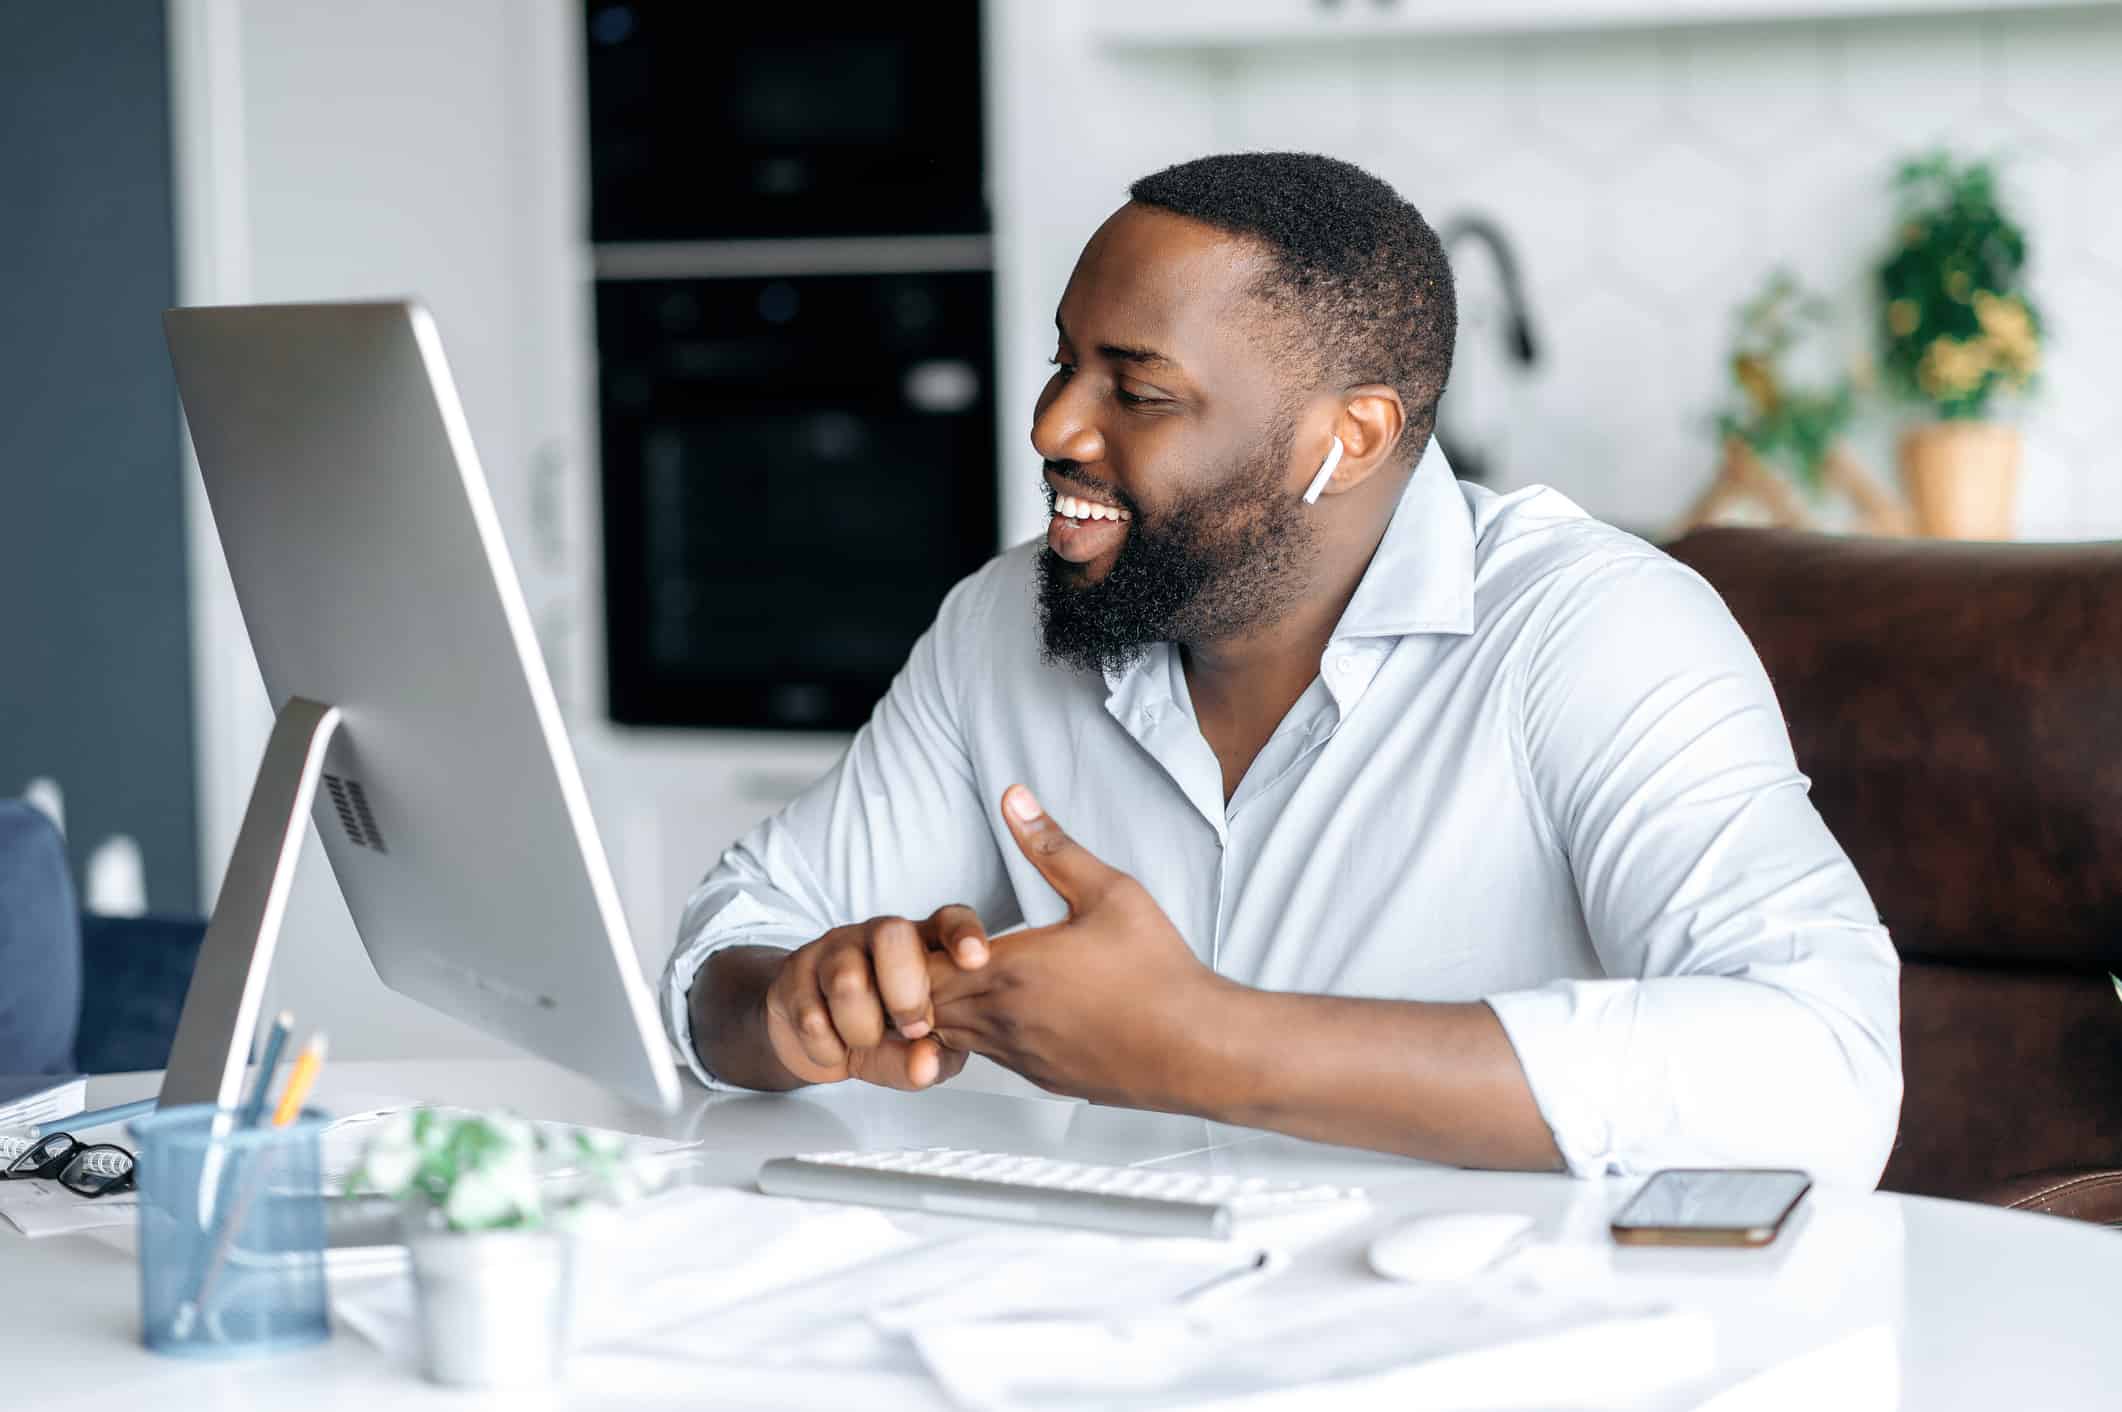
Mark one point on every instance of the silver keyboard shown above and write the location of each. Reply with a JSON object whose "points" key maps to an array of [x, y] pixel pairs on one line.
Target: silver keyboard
{"points": [[1004, 1187]]}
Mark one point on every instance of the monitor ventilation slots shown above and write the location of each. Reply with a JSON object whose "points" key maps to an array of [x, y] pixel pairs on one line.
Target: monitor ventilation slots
{"points": [[354, 814]]}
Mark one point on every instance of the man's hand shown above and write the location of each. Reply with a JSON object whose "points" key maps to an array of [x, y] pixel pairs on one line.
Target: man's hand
{"points": [[1110, 1005], [856, 1002]]}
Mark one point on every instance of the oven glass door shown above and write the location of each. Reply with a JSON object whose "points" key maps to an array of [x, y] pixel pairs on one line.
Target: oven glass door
{"points": [[795, 473]]}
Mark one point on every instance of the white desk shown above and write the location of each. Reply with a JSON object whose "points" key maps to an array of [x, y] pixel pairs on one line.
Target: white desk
{"points": [[1990, 1308]]}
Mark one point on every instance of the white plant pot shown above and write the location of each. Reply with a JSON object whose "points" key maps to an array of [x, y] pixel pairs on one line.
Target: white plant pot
{"points": [[493, 1306]]}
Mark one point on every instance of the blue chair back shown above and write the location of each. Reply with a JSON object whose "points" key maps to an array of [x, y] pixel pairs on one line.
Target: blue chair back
{"points": [[40, 946]]}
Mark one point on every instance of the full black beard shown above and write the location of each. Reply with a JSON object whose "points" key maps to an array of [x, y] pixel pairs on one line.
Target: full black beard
{"points": [[1210, 568]]}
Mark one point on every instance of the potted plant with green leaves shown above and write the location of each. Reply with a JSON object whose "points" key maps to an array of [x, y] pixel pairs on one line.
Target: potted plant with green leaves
{"points": [[489, 1201], [1959, 337], [1787, 417]]}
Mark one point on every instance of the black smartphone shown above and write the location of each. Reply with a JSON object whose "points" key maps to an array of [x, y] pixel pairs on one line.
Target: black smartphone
{"points": [[1711, 1206]]}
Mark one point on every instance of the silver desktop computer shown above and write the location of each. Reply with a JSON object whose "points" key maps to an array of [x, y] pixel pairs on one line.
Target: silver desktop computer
{"points": [[416, 725]]}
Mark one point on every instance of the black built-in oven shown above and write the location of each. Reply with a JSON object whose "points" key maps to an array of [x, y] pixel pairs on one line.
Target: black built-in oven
{"points": [[795, 349], [796, 470]]}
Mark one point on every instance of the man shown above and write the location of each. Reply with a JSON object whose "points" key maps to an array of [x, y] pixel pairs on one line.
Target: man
{"points": [[1401, 814]]}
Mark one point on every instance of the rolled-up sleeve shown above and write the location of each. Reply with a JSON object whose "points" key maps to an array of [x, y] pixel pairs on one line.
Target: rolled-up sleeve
{"points": [[896, 828], [1751, 1013]]}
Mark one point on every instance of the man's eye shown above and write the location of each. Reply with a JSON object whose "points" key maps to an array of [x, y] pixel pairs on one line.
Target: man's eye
{"points": [[1066, 370], [1134, 399]]}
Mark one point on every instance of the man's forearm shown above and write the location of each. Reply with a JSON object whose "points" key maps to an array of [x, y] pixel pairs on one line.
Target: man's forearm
{"points": [[728, 1009], [1435, 1081]]}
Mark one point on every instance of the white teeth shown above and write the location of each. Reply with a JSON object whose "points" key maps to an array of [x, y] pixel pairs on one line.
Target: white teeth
{"points": [[1069, 507]]}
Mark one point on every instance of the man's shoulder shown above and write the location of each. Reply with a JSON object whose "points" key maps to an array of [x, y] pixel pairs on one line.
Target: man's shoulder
{"points": [[997, 600], [988, 624], [1569, 591], [1538, 543]]}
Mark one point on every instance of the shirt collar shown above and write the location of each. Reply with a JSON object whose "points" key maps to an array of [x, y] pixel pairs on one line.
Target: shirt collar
{"points": [[1421, 579]]}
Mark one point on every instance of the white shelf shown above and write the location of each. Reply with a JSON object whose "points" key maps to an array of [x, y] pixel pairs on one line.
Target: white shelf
{"points": [[1233, 23]]}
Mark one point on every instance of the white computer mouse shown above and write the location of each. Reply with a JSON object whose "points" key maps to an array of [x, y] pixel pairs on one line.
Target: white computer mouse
{"points": [[1449, 1245]]}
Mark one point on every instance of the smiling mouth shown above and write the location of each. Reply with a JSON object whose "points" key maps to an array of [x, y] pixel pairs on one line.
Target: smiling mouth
{"points": [[1082, 529]]}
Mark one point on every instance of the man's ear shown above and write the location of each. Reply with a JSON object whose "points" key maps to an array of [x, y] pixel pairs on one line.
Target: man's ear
{"points": [[1369, 425]]}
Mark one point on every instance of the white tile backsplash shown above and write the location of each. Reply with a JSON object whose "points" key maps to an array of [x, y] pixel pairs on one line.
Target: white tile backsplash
{"points": [[1674, 216], [2082, 401], [2061, 74], [1620, 406], [1524, 187], [2052, 198], [1905, 83], [1751, 88], [2048, 491], [1649, 180], [1305, 98], [1450, 105], [1602, 94], [2102, 178]]}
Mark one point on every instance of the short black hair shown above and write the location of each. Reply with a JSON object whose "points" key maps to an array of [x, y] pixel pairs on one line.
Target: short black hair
{"points": [[1353, 261]]}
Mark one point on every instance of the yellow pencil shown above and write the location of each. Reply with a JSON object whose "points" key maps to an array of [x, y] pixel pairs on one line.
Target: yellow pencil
{"points": [[300, 1081]]}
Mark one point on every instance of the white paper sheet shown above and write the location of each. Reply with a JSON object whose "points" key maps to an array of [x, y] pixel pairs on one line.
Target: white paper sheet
{"points": [[42, 1207], [1488, 1346], [674, 1259], [719, 1277]]}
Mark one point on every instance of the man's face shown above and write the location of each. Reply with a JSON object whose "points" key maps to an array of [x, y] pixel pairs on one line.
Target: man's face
{"points": [[1167, 413]]}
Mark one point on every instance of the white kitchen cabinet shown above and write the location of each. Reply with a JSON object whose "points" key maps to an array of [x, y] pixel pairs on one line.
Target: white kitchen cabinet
{"points": [[1213, 23]]}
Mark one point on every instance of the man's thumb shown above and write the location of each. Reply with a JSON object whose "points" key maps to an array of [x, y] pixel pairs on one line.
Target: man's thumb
{"points": [[1075, 872]]}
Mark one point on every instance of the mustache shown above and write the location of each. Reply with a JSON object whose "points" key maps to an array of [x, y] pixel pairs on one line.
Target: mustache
{"points": [[1072, 471]]}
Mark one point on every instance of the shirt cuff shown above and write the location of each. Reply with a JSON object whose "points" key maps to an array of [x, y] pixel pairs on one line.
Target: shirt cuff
{"points": [[1564, 1086], [740, 922]]}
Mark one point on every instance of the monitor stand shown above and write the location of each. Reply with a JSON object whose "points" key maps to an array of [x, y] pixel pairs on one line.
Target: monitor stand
{"points": [[213, 1044]]}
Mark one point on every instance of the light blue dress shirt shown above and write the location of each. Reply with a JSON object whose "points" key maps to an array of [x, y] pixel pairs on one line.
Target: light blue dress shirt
{"points": [[1541, 766]]}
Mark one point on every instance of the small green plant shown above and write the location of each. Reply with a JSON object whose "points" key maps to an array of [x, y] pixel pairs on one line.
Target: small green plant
{"points": [[1789, 426], [485, 1172], [1956, 325]]}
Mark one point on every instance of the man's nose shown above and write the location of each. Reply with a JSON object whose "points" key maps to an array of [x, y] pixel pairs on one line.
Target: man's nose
{"points": [[1061, 430]]}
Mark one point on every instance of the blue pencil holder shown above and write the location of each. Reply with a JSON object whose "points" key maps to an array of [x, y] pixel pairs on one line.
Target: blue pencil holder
{"points": [[231, 1234]]}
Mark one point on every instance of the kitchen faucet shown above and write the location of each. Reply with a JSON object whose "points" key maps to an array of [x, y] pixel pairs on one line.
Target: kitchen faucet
{"points": [[1469, 439]]}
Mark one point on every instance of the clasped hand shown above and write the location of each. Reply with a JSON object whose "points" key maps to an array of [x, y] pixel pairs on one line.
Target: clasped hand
{"points": [[1109, 1004]]}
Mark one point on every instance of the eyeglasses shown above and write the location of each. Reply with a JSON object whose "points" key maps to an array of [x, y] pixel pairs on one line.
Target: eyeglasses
{"points": [[88, 1169]]}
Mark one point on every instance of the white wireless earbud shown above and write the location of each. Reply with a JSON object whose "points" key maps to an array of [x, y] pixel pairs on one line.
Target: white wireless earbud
{"points": [[1326, 473]]}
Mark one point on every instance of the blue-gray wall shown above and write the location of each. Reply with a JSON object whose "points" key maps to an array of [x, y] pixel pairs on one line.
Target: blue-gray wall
{"points": [[95, 666]]}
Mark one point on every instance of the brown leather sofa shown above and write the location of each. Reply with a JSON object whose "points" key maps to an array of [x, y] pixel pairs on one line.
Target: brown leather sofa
{"points": [[1959, 710]]}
